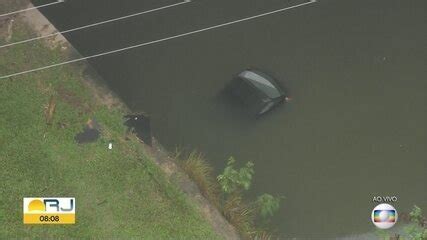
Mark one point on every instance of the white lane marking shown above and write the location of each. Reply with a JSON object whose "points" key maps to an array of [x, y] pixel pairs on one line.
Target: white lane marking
{"points": [[33, 8], [156, 41], [94, 24]]}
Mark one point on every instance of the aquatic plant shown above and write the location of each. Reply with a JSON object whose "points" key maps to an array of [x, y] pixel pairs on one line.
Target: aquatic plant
{"points": [[416, 215], [226, 193], [268, 205], [417, 230], [233, 180]]}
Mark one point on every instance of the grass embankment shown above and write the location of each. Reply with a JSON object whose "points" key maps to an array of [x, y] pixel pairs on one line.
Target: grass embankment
{"points": [[120, 193], [10, 6]]}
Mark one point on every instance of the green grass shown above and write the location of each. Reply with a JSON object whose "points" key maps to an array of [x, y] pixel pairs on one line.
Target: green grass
{"points": [[12, 5], [119, 193], [201, 173]]}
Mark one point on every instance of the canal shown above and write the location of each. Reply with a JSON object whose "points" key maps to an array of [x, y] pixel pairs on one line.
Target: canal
{"points": [[356, 70]]}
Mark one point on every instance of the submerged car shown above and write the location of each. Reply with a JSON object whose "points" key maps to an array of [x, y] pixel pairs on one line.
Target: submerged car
{"points": [[258, 91]]}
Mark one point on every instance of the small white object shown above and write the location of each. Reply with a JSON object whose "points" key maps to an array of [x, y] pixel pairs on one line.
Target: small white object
{"points": [[110, 146]]}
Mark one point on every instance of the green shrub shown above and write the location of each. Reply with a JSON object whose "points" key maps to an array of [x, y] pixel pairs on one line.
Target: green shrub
{"points": [[416, 232], [416, 215], [226, 193], [232, 180], [268, 205]]}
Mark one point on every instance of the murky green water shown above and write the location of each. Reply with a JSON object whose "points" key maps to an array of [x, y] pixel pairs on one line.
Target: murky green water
{"points": [[356, 70]]}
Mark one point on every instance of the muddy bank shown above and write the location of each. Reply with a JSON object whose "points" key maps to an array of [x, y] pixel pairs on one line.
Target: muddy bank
{"points": [[102, 95]]}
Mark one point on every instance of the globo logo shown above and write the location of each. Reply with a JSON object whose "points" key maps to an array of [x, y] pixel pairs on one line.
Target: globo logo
{"points": [[384, 216]]}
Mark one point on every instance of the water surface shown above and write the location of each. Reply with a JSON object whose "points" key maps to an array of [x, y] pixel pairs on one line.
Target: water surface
{"points": [[356, 70]]}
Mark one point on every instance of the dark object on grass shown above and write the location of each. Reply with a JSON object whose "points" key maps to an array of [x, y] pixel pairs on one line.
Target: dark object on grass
{"points": [[140, 125], [90, 133], [257, 91]]}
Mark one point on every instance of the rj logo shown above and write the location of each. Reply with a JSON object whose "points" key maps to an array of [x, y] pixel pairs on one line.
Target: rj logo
{"points": [[49, 210]]}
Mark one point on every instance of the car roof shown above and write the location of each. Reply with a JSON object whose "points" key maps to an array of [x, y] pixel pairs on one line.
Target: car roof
{"points": [[262, 82]]}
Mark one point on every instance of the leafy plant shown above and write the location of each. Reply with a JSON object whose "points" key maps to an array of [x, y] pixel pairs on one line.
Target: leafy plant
{"points": [[268, 205], [232, 180], [416, 232], [227, 194], [416, 215]]}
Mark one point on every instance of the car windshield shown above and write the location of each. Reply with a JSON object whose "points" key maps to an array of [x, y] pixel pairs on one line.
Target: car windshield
{"points": [[261, 83]]}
